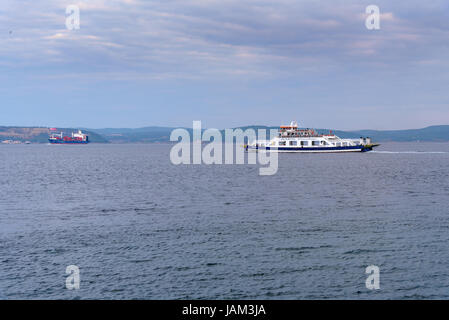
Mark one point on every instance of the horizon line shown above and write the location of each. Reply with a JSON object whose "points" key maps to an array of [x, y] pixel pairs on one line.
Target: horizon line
{"points": [[243, 126]]}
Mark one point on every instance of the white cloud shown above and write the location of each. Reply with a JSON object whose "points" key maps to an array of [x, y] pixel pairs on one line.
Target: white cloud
{"points": [[201, 38]]}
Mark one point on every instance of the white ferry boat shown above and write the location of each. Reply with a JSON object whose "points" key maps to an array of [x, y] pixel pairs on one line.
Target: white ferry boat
{"points": [[293, 139]]}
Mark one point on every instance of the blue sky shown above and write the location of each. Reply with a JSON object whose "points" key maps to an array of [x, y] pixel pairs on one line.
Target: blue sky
{"points": [[225, 62]]}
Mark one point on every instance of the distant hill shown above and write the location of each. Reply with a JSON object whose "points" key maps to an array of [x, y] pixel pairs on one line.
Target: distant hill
{"points": [[143, 135], [162, 134], [40, 134], [433, 133]]}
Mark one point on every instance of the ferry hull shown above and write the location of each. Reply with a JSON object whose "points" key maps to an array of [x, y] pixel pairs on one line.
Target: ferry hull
{"points": [[359, 148]]}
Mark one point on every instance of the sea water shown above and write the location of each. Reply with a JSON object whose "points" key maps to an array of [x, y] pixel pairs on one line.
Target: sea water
{"points": [[138, 226]]}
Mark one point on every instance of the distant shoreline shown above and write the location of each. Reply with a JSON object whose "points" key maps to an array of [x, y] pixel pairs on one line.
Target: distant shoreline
{"points": [[168, 143], [162, 134]]}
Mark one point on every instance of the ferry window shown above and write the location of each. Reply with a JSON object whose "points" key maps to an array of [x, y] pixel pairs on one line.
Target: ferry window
{"points": [[344, 144], [338, 144], [293, 143], [315, 143], [304, 143], [282, 143]]}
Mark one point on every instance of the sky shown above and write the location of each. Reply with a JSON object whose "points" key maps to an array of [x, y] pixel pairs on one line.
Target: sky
{"points": [[227, 63]]}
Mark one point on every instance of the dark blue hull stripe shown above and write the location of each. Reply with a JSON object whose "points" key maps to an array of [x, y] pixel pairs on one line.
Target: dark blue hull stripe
{"points": [[67, 142], [359, 147]]}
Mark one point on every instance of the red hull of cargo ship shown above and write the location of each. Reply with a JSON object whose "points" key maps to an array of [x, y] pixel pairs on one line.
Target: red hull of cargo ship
{"points": [[76, 138], [60, 141]]}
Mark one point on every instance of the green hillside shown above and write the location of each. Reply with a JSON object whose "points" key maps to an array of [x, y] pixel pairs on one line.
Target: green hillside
{"points": [[40, 134], [162, 134]]}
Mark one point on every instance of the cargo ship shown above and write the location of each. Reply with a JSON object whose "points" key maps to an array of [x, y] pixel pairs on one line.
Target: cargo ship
{"points": [[75, 138], [292, 139]]}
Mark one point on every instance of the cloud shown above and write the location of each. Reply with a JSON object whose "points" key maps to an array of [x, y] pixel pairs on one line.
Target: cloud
{"points": [[229, 37]]}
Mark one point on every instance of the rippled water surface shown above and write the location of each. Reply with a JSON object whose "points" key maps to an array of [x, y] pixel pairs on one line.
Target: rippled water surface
{"points": [[139, 227]]}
